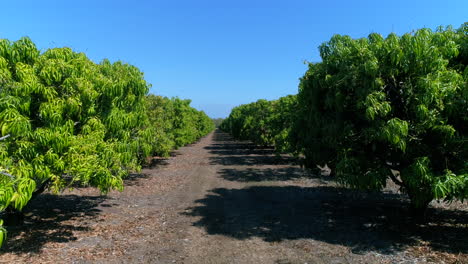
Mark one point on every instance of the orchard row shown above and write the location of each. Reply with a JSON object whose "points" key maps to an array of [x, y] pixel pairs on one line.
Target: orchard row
{"points": [[66, 120], [376, 108]]}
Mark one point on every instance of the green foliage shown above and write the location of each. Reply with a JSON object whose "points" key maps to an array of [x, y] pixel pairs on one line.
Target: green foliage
{"points": [[250, 122], [189, 124], [69, 121], [264, 122], [375, 104], [3, 233], [218, 121], [161, 112], [178, 124], [281, 123]]}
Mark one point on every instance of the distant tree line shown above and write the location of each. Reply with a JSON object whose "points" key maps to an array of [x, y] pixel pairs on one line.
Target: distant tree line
{"points": [[217, 121]]}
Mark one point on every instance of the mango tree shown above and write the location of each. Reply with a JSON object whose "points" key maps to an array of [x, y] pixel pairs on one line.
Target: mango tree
{"points": [[395, 107], [267, 123], [188, 124], [281, 123], [160, 112], [68, 121]]}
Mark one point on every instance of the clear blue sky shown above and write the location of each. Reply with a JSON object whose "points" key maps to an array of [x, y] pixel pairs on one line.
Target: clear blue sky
{"points": [[218, 53]]}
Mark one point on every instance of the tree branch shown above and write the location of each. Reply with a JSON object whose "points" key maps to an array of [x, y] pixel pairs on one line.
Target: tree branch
{"points": [[392, 177], [396, 180], [41, 189], [7, 174]]}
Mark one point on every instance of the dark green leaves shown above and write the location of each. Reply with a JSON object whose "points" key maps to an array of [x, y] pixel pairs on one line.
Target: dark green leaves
{"points": [[400, 102]]}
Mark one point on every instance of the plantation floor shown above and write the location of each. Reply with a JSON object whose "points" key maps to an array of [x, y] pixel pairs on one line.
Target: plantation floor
{"points": [[226, 201]]}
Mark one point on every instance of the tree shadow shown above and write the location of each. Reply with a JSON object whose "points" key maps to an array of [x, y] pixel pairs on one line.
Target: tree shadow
{"points": [[239, 148], [156, 162], [361, 221], [174, 153], [220, 135], [268, 174], [251, 160], [133, 179], [228, 151], [50, 218], [225, 142]]}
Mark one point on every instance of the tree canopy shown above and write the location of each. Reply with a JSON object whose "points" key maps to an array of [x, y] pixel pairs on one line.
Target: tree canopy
{"points": [[67, 121]]}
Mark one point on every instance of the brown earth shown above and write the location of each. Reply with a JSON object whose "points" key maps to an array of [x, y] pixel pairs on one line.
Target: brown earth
{"points": [[227, 201]]}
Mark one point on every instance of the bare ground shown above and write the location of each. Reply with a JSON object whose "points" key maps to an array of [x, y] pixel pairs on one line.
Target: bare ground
{"points": [[227, 201]]}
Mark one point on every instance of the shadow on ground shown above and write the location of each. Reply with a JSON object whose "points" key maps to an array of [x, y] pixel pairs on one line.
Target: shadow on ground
{"points": [[258, 175], [50, 218], [251, 160], [363, 222], [228, 151], [133, 179], [156, 162]]}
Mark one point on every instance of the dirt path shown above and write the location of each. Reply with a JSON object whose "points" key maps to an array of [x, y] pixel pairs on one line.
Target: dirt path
{"points": [[226, 201]]}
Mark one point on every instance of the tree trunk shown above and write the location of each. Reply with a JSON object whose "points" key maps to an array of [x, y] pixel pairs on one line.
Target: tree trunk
{"points": [[41, 189], [418, 207], [13, 217], [418, 214]]}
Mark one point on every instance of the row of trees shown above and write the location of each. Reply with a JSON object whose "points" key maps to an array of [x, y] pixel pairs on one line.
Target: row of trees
{"points": [[378, 108], [175, 123], [66, 120], [217, 121], [264, 122]]}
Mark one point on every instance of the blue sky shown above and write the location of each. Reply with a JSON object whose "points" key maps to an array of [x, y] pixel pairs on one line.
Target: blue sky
{"points": [[218, 53]]}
